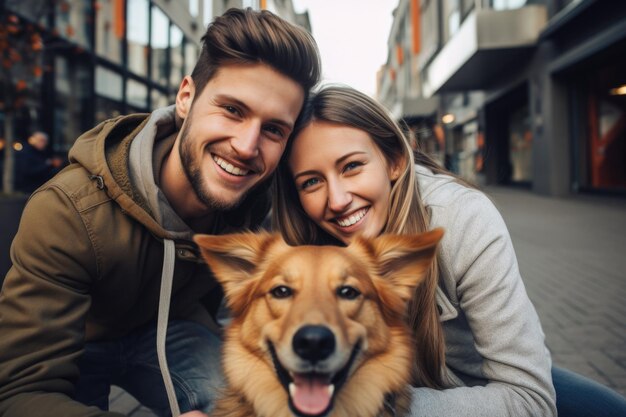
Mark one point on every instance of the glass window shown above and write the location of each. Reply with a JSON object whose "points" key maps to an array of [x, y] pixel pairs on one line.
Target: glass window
{"points": [[137, 94], [158, 39], [159, 99], [137, 35], [429, 30], [193, 8], [176, 56], [521, 145], [508, 4], [107, 109], [191, 56], [108, 83], [207, 12], [453, 17], [72, 90], [33, 10], [72, 21], [110, 29]]}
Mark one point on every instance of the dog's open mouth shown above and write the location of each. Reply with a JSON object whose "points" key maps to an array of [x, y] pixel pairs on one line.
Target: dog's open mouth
{"points": [[312, 394]]}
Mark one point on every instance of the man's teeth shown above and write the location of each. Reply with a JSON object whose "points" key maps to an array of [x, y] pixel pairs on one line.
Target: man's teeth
{"points": [[228, 167], [352, 219]]}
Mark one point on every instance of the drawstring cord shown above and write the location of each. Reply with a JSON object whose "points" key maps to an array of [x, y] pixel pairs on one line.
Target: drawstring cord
{"points": [[162, 321]]}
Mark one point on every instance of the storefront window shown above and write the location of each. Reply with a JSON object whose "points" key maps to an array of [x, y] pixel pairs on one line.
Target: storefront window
{"points": [[607, 127], [33, 10], [158, 42], [159, 99], [72, 89], [73, 21], [508, 4], [521, 145], [108, 84], [110, 29], [176, 56], [191, 56], [107, 109], [138, 35], [137, 94]]}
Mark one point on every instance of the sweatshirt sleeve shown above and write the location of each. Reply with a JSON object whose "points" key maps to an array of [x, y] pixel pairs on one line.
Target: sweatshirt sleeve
{"points": [[43, 307], [508, 349]]}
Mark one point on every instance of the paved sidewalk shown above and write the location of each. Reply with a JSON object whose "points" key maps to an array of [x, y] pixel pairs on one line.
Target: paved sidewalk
{"points": [[572, 255]]}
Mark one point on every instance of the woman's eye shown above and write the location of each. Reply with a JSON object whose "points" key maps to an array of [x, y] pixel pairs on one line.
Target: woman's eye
{"points": [[281, 291], [352, 165], [309, 183], [348, 293]]}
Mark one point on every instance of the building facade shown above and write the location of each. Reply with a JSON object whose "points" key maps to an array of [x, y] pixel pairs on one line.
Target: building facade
{"points": [[517, 92], [103, 58]]}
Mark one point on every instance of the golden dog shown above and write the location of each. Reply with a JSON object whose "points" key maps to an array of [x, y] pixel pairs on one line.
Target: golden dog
{"points": [[317, 330]]}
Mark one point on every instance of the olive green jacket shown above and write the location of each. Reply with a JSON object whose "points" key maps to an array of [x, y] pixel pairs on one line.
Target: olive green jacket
{"points": [[87, 264]]}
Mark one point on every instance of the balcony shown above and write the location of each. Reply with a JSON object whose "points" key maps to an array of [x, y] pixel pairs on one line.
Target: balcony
{"points": [[488, 44]]}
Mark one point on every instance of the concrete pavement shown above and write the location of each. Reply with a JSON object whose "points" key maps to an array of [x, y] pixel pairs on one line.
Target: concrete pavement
{"points": [[572, 255]]}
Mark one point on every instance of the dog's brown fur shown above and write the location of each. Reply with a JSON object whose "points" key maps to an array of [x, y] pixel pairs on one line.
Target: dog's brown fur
{"points": [[255, 269]]}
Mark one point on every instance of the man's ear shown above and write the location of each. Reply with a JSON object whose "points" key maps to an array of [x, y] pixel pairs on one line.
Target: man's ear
{"points": [[185, 96]]}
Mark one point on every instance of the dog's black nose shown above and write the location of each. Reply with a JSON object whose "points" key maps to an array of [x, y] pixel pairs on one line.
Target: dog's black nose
{"points": [[314, 343]]}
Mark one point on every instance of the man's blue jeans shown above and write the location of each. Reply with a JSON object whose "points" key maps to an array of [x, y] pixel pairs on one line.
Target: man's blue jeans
{"points": [[193, 356], [578, 396]]}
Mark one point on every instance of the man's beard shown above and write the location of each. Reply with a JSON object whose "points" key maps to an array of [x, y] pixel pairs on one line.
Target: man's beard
{"points": [[193, 170]]}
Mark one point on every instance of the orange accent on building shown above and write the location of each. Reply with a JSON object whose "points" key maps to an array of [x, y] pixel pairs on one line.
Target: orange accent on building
{"points": [[399, 54], [415, 24], [118, 18], [263, 4]]}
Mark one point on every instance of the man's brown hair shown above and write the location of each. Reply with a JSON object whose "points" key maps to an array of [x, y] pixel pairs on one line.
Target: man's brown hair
{"points": [[246, 36]]}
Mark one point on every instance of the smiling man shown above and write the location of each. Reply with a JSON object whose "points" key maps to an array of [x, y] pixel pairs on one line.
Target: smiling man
{"points": [[111, 235]]}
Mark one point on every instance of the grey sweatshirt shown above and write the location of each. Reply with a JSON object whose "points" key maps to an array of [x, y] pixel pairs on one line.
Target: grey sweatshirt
{"points": [[495, 347]]}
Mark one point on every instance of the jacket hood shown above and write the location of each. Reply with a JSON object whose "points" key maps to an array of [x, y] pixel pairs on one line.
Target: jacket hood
{"points": [[104, 152]]}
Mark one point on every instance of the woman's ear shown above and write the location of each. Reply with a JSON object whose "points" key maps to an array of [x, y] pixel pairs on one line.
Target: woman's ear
{"points": [[184, 97], [396, 168]]}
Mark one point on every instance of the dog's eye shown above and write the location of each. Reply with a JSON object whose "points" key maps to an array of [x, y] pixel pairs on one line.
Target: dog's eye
{"points": [[281, 291], [347, 292]]}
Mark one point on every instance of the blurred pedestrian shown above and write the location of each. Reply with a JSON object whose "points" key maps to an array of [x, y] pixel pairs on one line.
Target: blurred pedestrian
{"points": [[33, 165]]}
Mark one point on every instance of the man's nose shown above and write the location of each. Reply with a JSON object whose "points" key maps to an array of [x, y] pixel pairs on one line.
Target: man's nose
{"points": [[339, 197], [246, 141]]}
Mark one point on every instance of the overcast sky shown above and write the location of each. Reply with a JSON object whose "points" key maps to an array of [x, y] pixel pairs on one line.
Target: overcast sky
{"points": [[352, 37]]}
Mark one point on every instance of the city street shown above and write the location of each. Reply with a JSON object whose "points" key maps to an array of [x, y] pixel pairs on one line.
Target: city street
{"points": [[572, 255]]}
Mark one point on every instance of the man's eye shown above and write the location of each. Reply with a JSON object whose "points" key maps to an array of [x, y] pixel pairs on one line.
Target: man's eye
{"points": [[232, 110], [281, 291], [275, 131]]}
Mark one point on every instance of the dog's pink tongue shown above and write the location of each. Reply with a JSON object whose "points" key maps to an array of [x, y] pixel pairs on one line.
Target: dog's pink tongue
{"points": [[310, 395]]}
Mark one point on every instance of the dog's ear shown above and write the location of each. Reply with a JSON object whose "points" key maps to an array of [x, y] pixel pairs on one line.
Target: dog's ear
{"points": [[403, 260], [234, 259]]}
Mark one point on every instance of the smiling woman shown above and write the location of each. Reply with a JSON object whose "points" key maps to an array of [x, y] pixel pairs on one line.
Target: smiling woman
{"points": [[349, 172]]}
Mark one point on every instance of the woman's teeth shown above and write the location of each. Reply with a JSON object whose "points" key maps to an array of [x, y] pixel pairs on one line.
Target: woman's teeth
{"points": [[230, 168], [349, 221]]}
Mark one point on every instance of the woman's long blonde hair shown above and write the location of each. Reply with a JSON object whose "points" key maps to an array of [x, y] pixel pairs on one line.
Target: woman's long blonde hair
{"points": [[407, 213]]}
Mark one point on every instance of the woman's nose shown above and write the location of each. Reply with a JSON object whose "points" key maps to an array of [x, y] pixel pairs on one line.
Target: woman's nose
{"points": [[339, 197]]}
